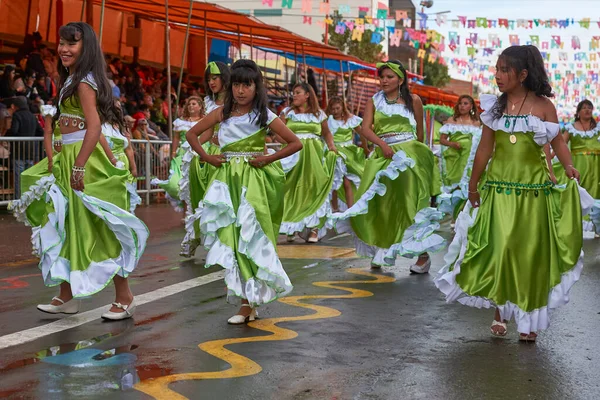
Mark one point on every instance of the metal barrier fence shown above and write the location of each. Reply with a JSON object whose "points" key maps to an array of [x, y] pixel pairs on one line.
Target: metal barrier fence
{"points": [[152, 158]]}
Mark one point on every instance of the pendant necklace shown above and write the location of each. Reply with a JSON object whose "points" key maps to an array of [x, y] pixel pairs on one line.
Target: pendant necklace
{"points": [[515, 104], [513, 138]]}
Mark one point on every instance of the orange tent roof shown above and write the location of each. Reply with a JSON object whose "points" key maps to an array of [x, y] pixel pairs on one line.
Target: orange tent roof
{"points": [[226, 24]]}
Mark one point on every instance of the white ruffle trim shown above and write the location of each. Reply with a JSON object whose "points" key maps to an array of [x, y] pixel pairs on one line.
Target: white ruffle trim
{"points": [[527, 322], [134, 198], [400, 163], [595, 215], [181, 125], [341, 172], [312, 221], [307, 118], [586, 134], [48, 110], [49, 239], [392, 109], [350, 123], [449, 129], [35, 192], [288, 163], [271, 281], [177, 204], [418, 239], [543, 131]]}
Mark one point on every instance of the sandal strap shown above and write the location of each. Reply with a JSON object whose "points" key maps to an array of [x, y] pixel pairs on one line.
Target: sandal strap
{"points": [[246, 305], [61, 301], [121, 306], [499, 323]]}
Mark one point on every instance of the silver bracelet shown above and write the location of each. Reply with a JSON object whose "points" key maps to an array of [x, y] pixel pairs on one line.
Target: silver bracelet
{"points": [[477, 191], [78, 169]]}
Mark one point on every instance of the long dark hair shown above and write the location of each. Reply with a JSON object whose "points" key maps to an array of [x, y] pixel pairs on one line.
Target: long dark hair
{"points": [[404, 90], [582, 103], [472, 112], [225, 78], [313, 102], [519, 58], [91, 60], [247, 72]]}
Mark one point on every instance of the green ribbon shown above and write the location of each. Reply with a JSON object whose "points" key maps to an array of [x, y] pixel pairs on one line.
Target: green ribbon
{"points": [[393, 67], [213, 68]]}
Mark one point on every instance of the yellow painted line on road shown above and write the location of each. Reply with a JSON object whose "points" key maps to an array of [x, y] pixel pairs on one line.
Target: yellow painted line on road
{"points": [[317, 252], [20, 262], [241, 366]]}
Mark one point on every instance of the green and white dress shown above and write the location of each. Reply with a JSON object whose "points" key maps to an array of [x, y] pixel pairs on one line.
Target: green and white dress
{"points": [[195, 177], [391, 216], [517, 251], [351, 161], [84, 238], [118, 143], [241, 213], [585, 151], [457, 166], [171, 184], [310, 176]]}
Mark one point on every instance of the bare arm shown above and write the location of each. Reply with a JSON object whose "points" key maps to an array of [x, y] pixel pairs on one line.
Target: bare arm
{"points": [[87, 97], [204, 129], [549, 157], [175, 145], [418, 110], [48, 141], [559, 144], [107, 150], [130, 155], [327, 136]]}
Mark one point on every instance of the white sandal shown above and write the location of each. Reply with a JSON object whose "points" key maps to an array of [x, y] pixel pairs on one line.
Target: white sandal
{"points": [[242, 319]]}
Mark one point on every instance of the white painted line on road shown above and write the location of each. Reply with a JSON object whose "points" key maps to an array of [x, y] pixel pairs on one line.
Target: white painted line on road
{"points": [[72, 321]]}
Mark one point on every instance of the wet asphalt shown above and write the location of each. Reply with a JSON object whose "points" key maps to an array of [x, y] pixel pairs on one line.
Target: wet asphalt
{"points": [[401, 342]]}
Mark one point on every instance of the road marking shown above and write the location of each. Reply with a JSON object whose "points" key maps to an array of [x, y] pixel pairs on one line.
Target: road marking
{"points": [[29, 335], [20, 262], [314, 252], [241, 366]]}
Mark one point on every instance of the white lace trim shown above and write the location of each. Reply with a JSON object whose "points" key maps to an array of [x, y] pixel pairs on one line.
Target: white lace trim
{"points": [[544, 132], [585, 134], [35, 192], [271, 281], [350, 123], [527, 322], [134, 198], [418, 239], [392, 109], [48, 240], [449, 129], [312, 221], [191, 214], [307, 118], [48, 110], [181, 125]]}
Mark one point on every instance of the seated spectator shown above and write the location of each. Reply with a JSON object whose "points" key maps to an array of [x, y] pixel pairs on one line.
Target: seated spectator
{"points": [[7, 82], [41, 87], [115, 89]]}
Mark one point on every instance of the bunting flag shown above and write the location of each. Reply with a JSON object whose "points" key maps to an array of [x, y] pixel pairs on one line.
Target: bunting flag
{"points": [[306, 6], [287, 3], [267, 3]]}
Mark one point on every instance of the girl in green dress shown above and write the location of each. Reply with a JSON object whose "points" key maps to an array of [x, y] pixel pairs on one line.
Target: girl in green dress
{"points": [[514, 248], [309, 173], [459, 135], [197, 174], [243, 204], [351, 162], [82, 229], [583, 136], [392, 216]]}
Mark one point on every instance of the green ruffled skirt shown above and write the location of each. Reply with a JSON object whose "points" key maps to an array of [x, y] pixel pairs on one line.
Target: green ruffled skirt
{"points": [[392, 216], [84, 238]]}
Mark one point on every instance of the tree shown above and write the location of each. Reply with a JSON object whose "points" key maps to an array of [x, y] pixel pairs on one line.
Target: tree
{"points": [[435, 74], [363, 49]]}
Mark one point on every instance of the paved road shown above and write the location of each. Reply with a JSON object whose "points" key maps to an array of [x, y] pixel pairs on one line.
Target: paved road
{"points": [[344, 334]]}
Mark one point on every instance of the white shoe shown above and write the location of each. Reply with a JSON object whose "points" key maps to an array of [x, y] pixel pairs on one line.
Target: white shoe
{"points": [[290, 238], [188, 249], [69, 307], [128, 311], [242, 319], [314, 236], [421, 269], [452, 225]]}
